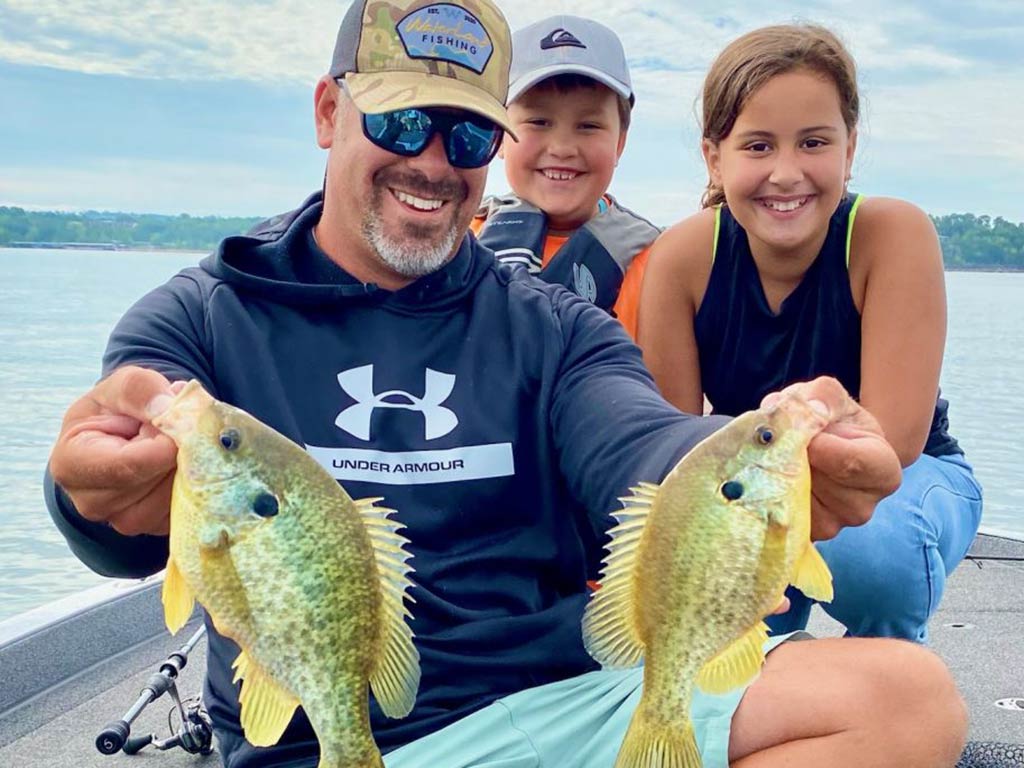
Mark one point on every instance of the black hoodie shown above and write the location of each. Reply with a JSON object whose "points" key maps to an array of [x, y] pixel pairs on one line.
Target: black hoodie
{"points": [[500, 415]]}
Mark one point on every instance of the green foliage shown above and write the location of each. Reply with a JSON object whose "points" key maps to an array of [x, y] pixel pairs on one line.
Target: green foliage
{"points": [[124, 230], [968, 241], [980, 242]]}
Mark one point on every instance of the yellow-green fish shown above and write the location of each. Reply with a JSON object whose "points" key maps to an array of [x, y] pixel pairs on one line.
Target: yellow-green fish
{"points": [[694, 566], [310, 584]]}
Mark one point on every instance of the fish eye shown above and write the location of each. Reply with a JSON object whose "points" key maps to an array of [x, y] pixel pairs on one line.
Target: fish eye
{"points": [[732, 490], [764, 435], [265, 505], [230, 439]]}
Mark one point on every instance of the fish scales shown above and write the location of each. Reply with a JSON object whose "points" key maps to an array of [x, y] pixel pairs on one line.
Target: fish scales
{"points": [[309, 583], [694, 566]]}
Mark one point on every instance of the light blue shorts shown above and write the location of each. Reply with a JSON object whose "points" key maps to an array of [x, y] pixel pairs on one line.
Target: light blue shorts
{"points": [[574, 723]]}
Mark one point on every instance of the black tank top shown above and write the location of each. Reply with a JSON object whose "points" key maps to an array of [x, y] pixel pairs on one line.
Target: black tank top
{"points": [[746, 350]]}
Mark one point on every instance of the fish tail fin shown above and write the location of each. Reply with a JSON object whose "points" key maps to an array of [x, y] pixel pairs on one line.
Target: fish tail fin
{"points": [[373, 760], [651, 744]]}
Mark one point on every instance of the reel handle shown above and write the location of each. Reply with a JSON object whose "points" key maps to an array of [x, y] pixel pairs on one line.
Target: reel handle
{"points": [[112, 737]]}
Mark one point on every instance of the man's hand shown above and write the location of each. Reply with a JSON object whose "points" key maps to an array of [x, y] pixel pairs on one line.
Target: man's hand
{"points": [[853, 467], [112, 463]]}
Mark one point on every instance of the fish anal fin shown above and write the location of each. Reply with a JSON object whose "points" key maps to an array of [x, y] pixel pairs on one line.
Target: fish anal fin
{"points": [[395, 677], [610, 631], [812, 576], [177, 598], [737, 665], [267, 708]]}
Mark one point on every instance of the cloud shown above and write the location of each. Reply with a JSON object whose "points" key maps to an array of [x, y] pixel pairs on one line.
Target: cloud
{"points": [[939, 80], [281, 40]]}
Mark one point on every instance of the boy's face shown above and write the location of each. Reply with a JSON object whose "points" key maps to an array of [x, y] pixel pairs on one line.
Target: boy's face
{"points": [[569, 143]]}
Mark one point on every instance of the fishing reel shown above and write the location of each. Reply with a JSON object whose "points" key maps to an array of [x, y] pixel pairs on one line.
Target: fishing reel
{"points": [[193, 731]]}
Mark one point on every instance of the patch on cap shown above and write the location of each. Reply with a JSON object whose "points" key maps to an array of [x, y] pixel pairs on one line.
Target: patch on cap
{"points": [[560, 37], [446, 32]]}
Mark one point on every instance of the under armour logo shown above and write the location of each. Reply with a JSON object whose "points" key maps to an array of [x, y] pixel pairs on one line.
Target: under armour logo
{"points": [[560, 37], [358, 384]]}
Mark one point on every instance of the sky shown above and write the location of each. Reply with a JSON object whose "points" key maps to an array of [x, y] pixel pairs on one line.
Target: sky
{"points": [[205, 107]]}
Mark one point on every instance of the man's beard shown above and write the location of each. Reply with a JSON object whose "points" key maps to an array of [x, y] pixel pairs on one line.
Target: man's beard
{"points": [[417, 250]]}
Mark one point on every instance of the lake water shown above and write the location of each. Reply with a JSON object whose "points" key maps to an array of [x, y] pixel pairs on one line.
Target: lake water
{"points": [[57, 307]]}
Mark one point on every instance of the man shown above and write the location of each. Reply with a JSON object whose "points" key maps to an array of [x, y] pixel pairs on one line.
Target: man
{"points": [[500, 415]]}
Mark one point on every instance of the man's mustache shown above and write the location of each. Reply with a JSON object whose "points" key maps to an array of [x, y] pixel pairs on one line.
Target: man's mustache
{"points": [[454, 190]]}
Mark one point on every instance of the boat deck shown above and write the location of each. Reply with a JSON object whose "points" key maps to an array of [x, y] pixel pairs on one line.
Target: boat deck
{"points": [[55, 698]]}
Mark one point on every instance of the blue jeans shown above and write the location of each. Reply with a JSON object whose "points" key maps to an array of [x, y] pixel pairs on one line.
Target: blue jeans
{"points": [[889, 574]]}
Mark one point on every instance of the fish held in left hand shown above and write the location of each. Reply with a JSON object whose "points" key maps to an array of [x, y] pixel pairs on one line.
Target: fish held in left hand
{"points": [[694, 566], [310, 584]]}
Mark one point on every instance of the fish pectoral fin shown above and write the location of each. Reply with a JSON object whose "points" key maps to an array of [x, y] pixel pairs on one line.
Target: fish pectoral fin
{"points": [[610, 633], [395, 677], [177, 598], [737, 665], [267, 708], [812, 576]]}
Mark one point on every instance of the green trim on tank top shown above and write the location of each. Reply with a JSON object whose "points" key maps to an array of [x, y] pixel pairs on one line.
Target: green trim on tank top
{"points": [[849, 227], [718, 228]]}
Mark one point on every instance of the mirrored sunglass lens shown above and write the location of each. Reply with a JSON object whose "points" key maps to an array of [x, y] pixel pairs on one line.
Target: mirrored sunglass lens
{"points": [[470, 144], [405, 131]]}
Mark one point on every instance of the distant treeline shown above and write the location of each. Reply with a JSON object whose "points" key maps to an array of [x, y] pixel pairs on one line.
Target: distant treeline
{"points": [[119, 230], [980, 242], [968, 241]]}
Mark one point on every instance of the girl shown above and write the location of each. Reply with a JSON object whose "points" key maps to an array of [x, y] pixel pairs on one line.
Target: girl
{"points": [[784, 276]]}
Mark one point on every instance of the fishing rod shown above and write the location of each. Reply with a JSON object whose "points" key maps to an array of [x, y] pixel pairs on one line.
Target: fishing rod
{"points": [[979, 559], [194, 733]]}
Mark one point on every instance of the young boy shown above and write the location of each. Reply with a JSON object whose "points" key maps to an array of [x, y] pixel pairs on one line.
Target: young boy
{"points": [[569, 101]]}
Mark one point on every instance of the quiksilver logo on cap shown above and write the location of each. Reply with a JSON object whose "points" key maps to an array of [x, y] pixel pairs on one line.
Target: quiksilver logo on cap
{"points": [[559, 38]]}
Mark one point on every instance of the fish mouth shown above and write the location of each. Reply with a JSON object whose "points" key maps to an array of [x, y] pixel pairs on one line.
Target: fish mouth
{"points": [[800, 414], [182, 415]]}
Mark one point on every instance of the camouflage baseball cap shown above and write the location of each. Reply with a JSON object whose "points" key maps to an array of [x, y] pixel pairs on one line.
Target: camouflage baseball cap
{"points": [[397, 54]]}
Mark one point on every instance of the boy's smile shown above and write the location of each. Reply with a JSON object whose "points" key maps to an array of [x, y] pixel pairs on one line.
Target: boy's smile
{"points": [[569, 143]]}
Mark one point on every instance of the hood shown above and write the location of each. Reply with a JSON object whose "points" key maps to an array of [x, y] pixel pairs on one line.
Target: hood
{"points": [[280, 260]]}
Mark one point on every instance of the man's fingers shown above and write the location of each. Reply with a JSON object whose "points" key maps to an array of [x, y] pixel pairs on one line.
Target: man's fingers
{"points": [[835, 403], [782, 608], [148, 514], [131, 391]]}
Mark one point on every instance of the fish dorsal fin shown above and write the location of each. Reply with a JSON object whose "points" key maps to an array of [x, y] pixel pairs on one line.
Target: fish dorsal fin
{"points": [[395, 677], [812, 576], [177, 598], [610, 632], [738, 664], [267, 708]]}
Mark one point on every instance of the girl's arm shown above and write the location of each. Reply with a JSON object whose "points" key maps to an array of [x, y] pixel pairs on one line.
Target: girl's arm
{"points": [[898, 285], [673, 287]]}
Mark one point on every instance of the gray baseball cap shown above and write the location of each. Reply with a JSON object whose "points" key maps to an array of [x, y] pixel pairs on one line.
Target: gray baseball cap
{"points": [[565, 44]]}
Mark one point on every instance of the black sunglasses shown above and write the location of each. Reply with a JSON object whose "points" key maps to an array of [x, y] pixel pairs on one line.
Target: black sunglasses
{"points": [[469, 141]]}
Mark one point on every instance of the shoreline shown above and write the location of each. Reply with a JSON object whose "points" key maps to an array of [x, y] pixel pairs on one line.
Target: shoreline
{"points": [[121, 248], [104, 248]]}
